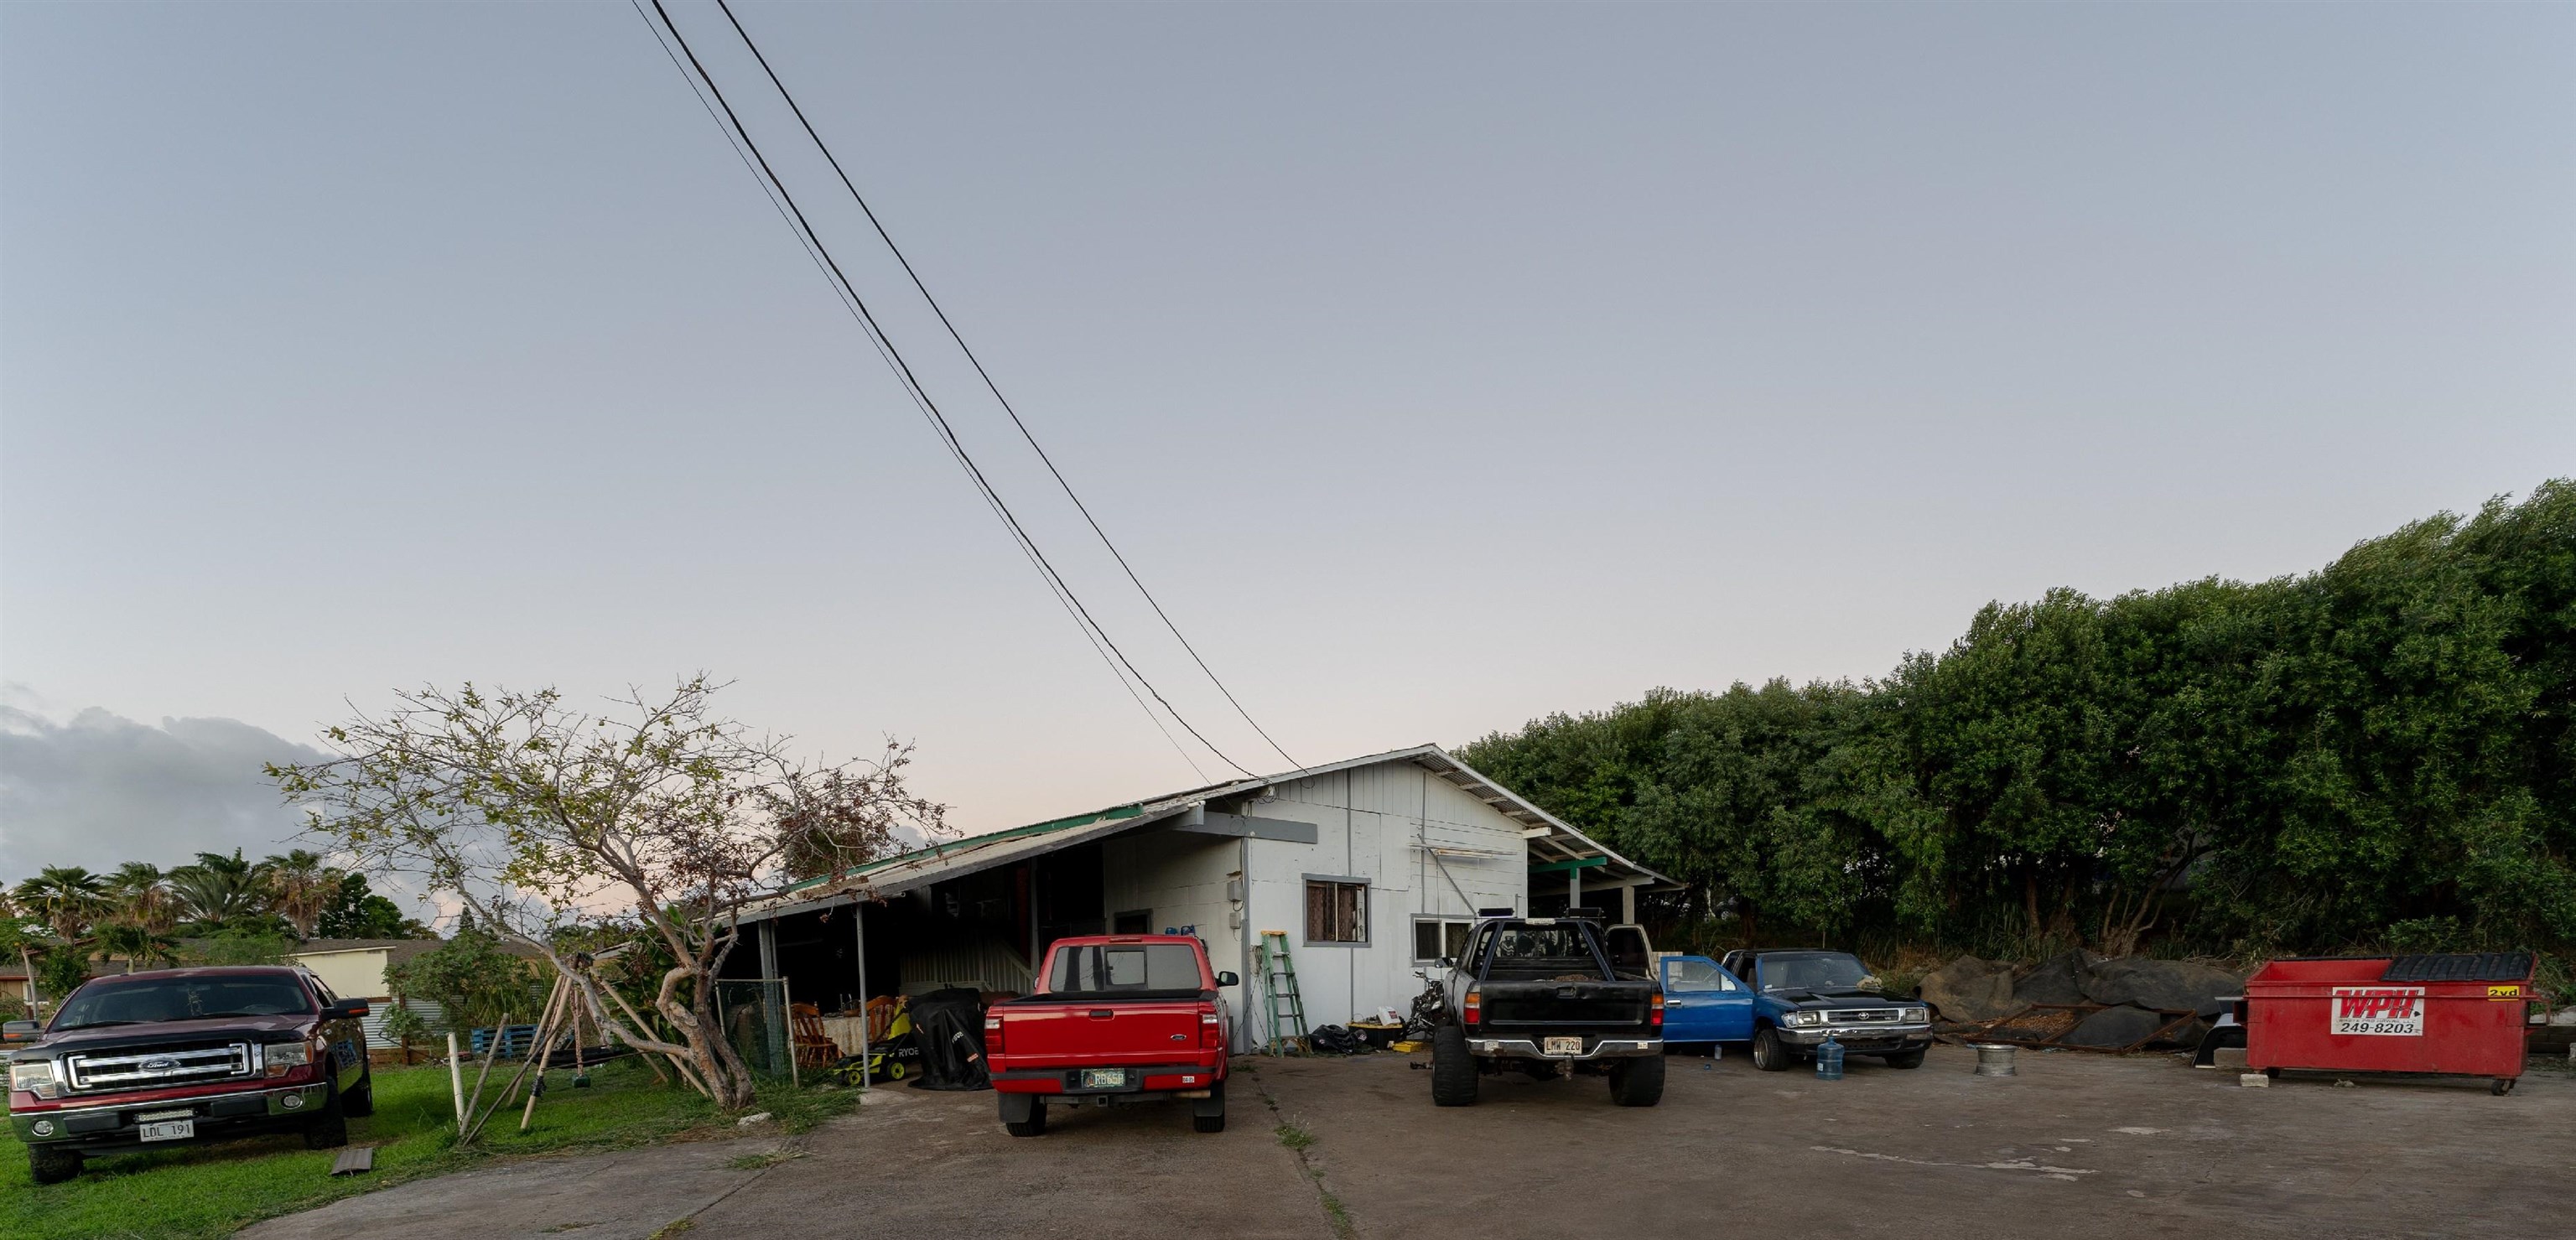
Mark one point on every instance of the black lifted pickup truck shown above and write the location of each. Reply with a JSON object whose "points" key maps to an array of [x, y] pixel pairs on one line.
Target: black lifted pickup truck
{"points": [[180, 1056], [1545, 996]]}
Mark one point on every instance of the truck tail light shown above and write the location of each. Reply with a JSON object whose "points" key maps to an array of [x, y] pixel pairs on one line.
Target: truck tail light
{"points": [[1471, 1008], [1210, 1032], [992, 1035], [1655, 1011]]}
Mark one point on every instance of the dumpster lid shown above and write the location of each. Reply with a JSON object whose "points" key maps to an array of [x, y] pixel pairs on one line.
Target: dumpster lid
{"points": [[2460, 967]]}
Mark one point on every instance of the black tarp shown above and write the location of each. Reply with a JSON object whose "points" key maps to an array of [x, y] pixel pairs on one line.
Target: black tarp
{"points": [[948, 1026]]}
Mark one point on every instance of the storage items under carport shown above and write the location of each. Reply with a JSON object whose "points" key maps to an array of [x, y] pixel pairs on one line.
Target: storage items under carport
{"points": [[2453, 1015]]}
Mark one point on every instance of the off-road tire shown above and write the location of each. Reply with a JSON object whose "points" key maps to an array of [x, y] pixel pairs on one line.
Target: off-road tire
{"points": [[1453, 1070], [1034, 1126], [51, 1166], [360, 1102], [1768, 1054], [1637, 1082], [1905, 1059], [1211, 1123], [328, 1130]]}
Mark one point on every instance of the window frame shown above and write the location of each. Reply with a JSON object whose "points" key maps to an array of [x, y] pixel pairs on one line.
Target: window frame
{"points": [[1466, 935], [1337, 881]]}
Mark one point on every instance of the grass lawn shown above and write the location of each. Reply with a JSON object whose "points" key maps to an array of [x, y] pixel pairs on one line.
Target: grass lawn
{"points": [[211, 1190]]}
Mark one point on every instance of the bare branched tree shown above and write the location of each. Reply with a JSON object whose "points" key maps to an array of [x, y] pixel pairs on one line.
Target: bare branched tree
{"points": [[536, 816]]}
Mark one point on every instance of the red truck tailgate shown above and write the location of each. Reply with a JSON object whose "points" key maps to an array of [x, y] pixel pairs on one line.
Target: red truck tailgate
{"points": [[1100, 1033]]}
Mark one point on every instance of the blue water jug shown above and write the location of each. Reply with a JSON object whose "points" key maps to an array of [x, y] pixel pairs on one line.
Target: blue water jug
{"points": [[1829, 1059]]}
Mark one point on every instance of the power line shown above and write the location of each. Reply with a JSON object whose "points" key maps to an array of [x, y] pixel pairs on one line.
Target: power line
{"points": [[846, 304], [886, 350], [989, 384]]}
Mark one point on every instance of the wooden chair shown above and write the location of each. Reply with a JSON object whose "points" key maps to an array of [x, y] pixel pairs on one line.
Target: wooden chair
{"points": [[815, 1048]]}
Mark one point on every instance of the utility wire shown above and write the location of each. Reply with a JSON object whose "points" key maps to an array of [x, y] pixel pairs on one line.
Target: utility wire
{"points": [[856, 311], [844, 288], [844, 298], [989, 384]]}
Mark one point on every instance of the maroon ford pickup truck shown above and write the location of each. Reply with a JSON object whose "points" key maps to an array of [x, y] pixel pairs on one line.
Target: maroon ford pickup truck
{"points": [[186, 1055]]}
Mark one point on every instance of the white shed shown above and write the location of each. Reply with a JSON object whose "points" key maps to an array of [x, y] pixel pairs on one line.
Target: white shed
{"points": [[1372, 868]]}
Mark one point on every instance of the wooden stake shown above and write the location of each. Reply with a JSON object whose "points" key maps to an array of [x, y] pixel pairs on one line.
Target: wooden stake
{"points": [[641, 1027], [498, 1032], [545, 1029]]}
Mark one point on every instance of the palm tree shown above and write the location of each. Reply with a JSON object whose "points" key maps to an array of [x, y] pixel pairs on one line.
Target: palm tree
{"points": [[300, 887], [67, 898], [138, 944], [217, 888], [14, 937], [142, 896]]}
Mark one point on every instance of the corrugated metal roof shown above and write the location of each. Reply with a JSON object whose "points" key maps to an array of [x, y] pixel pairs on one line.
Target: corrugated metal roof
{"points": [[957, 858]]}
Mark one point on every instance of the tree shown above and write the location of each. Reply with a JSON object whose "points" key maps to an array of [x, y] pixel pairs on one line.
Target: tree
{"points": [[20, 936], [142, 896], [67, 898], [62, 969], [471, 978], [299, 886], [357, 912], [139, 945], [529, 813], [2378, 754], [217, 890]]}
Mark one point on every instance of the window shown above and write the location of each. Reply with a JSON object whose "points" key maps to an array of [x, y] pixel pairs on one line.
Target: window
{"points": [[1138, 967], [149, 1000], [1559, 952], [1820, 971], [1137, 921], [1437, 937], [1696, 976], [1336, 910]]}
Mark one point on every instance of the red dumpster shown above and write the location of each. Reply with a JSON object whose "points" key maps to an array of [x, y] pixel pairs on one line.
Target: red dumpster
{"points": [[2458, 1015]]}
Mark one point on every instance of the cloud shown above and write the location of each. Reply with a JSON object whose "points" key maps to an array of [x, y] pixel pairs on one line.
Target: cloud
{"points": [[103, 789]]}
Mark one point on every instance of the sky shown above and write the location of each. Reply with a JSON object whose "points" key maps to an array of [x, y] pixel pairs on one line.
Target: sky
{"points": [[1439, 367]]}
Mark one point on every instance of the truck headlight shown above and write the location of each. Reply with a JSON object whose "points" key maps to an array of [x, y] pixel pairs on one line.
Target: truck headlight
{"points": [[1802, 1020], [283, 1056], [1915, 1016], [36, 1076]]}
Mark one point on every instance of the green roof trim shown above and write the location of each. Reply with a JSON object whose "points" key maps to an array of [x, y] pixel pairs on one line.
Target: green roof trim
{"points": [[1558, 867], [1112, 814]]}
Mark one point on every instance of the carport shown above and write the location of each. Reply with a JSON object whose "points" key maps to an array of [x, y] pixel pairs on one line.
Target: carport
{"points": [[1368, 868]]}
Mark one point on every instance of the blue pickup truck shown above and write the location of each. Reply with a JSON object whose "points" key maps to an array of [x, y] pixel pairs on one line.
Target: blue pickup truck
{"points": [[1797, 997]]}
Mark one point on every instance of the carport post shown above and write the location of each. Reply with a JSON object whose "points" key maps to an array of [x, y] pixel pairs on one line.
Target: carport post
{"points": [[859, 923], [1574, 886]]}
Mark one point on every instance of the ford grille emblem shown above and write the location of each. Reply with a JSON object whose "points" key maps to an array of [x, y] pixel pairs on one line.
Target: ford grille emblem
{"points": [[159, 1064]]}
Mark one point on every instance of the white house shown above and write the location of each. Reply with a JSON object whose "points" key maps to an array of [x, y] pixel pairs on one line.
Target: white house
{"points": [[1371, 868]]}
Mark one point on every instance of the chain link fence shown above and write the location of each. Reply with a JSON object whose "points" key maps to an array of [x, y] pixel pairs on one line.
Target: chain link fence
{"points": [[753, 1014]]}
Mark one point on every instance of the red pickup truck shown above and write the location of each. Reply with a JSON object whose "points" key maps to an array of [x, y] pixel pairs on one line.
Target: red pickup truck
{"points": [[1115, 1018]]}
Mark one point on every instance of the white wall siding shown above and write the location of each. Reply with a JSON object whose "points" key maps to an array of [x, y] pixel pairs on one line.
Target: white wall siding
{"points": [[1373, 823]]}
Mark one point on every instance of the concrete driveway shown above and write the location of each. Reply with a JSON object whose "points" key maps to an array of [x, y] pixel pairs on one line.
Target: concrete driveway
{"points": [[912, 1163], [2076, 1145]]}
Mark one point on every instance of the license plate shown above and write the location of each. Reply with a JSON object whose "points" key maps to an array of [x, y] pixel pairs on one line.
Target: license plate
{"points": [[1104, 1078], [1564, 1046], [168, 1130]]}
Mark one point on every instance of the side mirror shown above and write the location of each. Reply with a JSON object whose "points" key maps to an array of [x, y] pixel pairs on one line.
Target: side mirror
{"points": [[1227, 979], [1448, 962], [346, 1009], [21, 1031]]}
